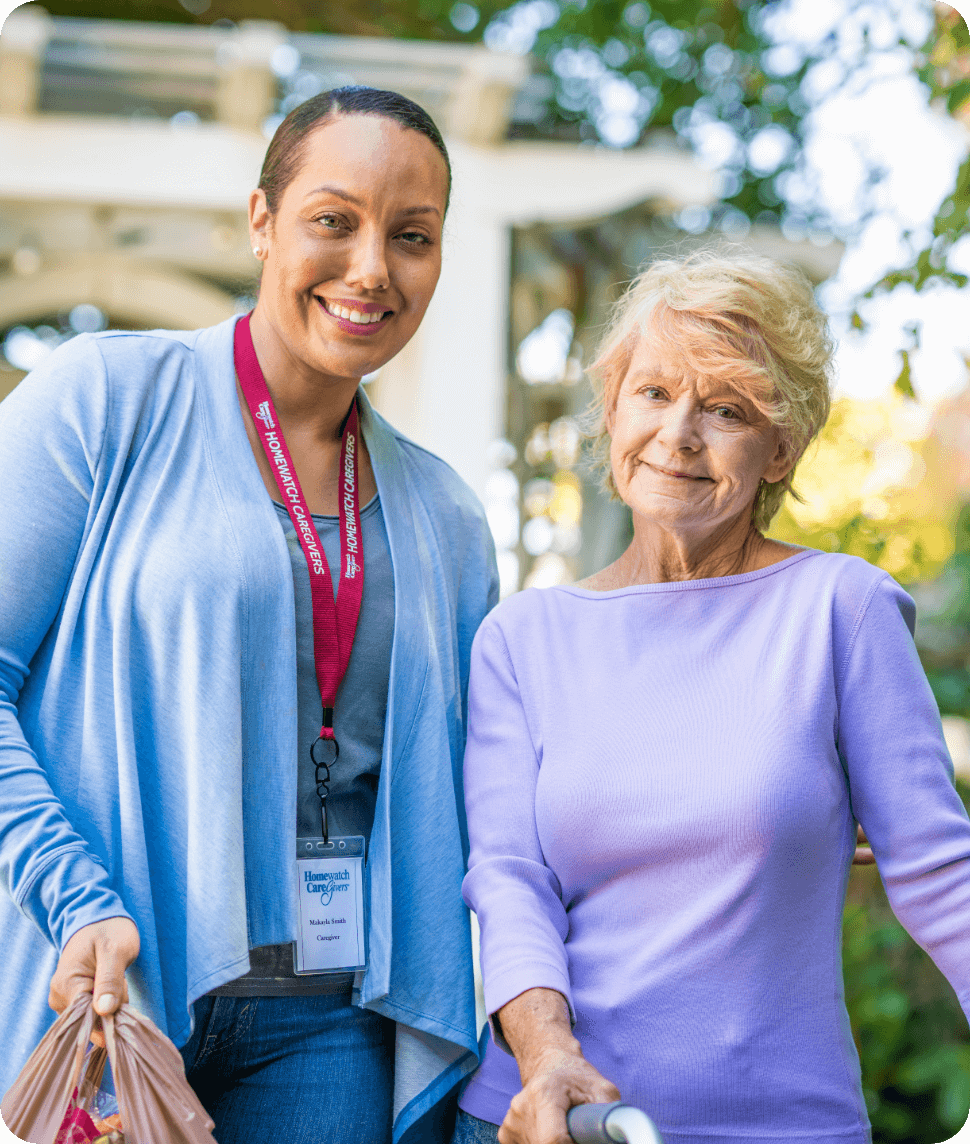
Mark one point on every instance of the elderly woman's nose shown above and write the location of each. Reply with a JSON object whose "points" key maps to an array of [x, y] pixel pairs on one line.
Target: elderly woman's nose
{"points": [[679, 427], [368, 263]]}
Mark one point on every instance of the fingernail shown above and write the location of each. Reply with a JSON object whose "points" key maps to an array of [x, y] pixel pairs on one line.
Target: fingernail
{"points": [[106, 1003]]}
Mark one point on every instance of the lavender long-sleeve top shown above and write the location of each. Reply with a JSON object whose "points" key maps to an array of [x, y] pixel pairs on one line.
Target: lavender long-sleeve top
{"points": [[662, 786]]}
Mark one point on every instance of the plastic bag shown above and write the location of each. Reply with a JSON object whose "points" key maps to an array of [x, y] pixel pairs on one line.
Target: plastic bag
{"points": [[85, 1120], [155, 1102], [93, 1116]]}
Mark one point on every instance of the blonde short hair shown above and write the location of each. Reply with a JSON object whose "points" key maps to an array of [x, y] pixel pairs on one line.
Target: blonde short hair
{"points": [[750, 320]]}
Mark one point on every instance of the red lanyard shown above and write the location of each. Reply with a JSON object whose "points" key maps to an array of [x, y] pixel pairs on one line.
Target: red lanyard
{"points": [[334, 617]]}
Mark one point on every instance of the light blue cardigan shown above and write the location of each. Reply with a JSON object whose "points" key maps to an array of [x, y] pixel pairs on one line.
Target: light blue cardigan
{"points": [[148, 701]]}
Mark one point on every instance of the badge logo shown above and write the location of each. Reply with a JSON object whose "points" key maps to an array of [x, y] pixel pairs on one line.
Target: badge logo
{"points": [[264, 413], [352, 566], [326, 884]]}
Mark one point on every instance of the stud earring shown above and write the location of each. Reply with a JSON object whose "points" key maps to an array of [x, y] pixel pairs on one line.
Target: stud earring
{"points": [[258, 251]]}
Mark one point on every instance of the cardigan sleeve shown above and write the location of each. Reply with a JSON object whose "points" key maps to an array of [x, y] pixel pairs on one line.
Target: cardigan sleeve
{"points": [[52, 428], [516, 896], [477, 595], [901, 781]]}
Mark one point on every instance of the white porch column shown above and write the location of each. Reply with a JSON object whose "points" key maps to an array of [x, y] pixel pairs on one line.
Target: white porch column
{"points": [[446, 389], [22, 44], [247, 87]]}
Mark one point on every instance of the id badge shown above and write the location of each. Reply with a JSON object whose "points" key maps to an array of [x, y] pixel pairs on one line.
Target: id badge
{"points": [[330, 877]]}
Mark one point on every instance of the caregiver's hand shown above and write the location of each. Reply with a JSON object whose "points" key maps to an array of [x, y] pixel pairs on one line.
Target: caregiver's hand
{"points": [[555, 1075], [94, 961]]}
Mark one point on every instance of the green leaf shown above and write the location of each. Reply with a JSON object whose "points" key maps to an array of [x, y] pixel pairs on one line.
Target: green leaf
{"points": [[903, 383], [958, 95], [954, 1095]]}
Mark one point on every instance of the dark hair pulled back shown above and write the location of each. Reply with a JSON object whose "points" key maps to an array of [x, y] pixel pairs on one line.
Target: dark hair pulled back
{"points": [[287, 150]]}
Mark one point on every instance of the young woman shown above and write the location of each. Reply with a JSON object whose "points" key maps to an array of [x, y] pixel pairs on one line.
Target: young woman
{"points": [[187, 685]]}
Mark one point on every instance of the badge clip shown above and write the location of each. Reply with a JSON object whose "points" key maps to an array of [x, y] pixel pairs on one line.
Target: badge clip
{"points": [[330, 888]]}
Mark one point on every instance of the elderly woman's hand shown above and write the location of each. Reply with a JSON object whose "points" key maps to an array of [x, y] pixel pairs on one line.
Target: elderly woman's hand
{"points": [[555, 1075]]}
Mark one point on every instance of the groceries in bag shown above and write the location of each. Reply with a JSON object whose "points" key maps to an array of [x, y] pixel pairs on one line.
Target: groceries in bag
{"points": [[58, 1097], [92, 1116]]}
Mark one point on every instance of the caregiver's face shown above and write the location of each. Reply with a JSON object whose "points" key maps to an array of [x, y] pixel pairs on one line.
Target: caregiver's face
{"points": [[353, 253], [688, 451]]}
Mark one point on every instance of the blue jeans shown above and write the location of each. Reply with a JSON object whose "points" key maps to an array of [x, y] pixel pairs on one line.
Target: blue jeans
{"points": [[471, 1130], [307, 1070]]}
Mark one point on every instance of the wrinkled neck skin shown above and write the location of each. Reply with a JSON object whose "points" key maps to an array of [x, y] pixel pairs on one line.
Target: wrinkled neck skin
{"points": [[658, 555]]}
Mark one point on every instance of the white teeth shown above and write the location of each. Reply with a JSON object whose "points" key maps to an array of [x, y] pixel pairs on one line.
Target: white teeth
{"points": [[354, 316]]}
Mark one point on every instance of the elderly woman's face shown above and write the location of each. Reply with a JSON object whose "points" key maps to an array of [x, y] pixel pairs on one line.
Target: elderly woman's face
{"points": [[688, 452]]}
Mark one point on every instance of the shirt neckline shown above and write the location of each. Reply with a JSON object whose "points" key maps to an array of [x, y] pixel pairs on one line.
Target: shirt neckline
{"points": [[367, 508], [690, 585]]}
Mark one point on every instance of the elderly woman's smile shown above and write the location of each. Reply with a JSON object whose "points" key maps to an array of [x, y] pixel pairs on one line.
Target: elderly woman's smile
{"points": [[673, 473]]}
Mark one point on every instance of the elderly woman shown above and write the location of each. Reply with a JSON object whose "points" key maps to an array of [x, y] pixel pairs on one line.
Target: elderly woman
{"points": [[667, 762]]}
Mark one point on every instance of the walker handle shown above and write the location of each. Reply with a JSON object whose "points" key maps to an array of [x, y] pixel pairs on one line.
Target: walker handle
{"points": [[615, 1123]]}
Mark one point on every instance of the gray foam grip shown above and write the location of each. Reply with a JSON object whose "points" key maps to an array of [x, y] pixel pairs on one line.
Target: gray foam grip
{"points": [[587, 1122]]}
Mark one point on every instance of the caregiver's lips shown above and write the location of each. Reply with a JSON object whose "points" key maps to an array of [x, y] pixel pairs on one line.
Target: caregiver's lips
{"points": [[358, 318]]}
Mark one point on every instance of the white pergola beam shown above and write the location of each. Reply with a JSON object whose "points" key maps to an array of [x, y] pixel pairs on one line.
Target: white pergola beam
{"points": [[124, 162], [524, 182], [144, 294]]}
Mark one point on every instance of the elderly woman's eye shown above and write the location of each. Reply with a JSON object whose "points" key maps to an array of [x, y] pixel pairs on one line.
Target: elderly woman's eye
{"points": [[726, 413]]}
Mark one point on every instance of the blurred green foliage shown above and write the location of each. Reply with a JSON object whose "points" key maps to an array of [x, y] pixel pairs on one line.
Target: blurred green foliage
{"points": [[911, 1033], [877, 484], [690, 61], [944, 633], [945, 71], [407, 19]]}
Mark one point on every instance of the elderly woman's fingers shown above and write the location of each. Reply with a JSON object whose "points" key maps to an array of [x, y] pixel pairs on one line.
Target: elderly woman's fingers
{"points": [[551, 1127], [555, 1074], [543, 1125], [537, 1114]]}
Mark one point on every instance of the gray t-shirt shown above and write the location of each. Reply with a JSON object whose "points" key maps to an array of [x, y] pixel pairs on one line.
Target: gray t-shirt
{"points": [[358, 725], [362, 698]]}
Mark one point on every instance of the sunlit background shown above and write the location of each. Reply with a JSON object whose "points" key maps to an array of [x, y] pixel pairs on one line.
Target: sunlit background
{"points": [[587, 137]]}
